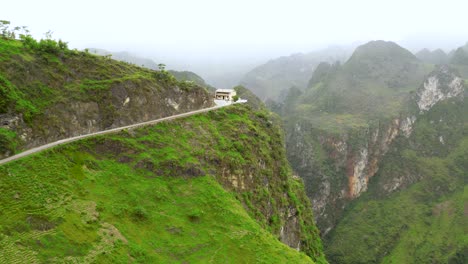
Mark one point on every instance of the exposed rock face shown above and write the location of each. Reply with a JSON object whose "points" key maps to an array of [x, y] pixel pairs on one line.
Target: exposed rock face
{"points": [[264, 178], [439, 86], [357, 177], [289, 233], [337, 168], [128, 103]]}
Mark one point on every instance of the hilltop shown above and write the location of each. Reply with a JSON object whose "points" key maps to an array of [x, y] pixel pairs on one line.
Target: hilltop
{"points": [[360, 88]]}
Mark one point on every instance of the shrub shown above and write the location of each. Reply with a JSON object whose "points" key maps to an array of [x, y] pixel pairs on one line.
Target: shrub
{"points": [[8, 141], [140, 213], [44, 45]]}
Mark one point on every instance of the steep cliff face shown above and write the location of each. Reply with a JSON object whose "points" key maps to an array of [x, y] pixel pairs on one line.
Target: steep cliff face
{"points": [[337, 148], [336, 168], [439, 86], [48, 96], [215, 186], [415, 208]]}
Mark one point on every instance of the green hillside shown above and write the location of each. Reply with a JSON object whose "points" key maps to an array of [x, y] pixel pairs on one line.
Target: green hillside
{"points": [[49, 92], [176, 192]]}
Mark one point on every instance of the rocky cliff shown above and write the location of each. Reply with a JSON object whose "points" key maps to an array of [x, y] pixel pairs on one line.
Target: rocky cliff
{"points": [[413, 210]]}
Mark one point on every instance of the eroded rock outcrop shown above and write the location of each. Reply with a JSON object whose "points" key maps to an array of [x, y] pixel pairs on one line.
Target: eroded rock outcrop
{"points": [[440, 85]]}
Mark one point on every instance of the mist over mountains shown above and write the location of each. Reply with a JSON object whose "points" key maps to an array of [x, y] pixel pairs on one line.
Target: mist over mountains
{"points": [[233, 65]]}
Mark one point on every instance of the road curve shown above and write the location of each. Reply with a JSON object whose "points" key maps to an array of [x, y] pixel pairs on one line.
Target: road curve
{"points": [[109, 131]]}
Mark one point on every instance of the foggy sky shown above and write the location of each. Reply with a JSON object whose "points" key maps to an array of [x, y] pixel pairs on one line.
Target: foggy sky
{"points": [[240, 31]]}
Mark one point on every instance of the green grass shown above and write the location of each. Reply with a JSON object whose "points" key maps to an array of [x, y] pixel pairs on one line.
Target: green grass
{"points": [[164, 219], [438, 238], [171, 193]]}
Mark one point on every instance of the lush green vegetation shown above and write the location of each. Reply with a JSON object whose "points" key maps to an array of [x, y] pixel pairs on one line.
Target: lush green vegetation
{"points": [[171, 193], [424, 223]]}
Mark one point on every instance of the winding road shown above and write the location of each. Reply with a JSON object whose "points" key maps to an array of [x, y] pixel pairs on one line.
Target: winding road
{"points": [[109, 131]]}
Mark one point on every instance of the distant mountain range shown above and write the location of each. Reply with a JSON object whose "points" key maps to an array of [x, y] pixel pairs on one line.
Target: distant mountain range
{"points": [[438, 56], [272, 79]]}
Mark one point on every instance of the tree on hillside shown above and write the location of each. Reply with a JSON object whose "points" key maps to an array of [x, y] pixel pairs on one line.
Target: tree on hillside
{"points": [[4, 26], [162, 67]]}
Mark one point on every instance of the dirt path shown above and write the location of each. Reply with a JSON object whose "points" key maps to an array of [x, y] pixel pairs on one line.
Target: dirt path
{"points": [[113, 130]]}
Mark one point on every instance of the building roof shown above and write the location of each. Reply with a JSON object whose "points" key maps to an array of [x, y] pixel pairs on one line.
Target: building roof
{"points": [[225, 90]]}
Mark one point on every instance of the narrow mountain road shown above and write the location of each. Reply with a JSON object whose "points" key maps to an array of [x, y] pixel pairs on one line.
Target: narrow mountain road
{"points": [[109, 131]]}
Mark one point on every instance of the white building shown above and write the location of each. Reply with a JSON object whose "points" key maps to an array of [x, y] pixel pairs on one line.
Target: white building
{"points": [[225, 94]]}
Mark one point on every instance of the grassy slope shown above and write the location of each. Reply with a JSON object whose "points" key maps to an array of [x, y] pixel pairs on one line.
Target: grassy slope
{"points": [[146, 196], [426, 222]]}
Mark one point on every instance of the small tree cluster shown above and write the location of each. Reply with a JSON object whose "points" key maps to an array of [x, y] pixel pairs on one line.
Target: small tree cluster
{"points": [[8, 32], [48, 44], [45, 45], [165, 75]]}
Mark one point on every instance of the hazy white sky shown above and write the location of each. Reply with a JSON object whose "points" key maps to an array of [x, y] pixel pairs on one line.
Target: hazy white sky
{"points": [[185, 33], [220, 25]]}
